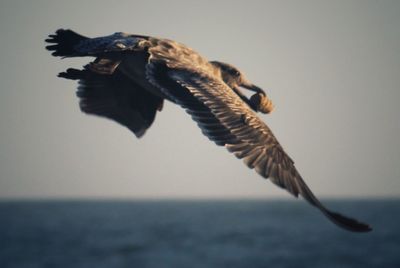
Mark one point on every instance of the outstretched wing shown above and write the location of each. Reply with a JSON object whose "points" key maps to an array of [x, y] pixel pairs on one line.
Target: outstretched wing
{"points": [[224, 117], [67, 43], [115, 97]]}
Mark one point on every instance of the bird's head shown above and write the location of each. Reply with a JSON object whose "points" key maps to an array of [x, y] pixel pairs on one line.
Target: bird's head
{"points": [[234, 78]]}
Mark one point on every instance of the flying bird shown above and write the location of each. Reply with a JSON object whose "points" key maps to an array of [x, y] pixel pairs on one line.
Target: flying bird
{"points": [[132, 75]]}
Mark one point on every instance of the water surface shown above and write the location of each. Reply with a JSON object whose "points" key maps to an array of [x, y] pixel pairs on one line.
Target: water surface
{"points": [[195, 234]]}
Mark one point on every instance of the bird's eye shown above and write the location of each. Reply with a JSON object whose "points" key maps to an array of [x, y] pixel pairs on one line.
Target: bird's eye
{"points": [[235, 72]]}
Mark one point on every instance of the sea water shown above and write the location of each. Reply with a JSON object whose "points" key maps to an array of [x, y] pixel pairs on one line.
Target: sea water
{"points": [[163, 233]]}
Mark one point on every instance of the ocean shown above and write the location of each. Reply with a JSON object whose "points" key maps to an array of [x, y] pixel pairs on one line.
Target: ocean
{"points": [[235, 233]]}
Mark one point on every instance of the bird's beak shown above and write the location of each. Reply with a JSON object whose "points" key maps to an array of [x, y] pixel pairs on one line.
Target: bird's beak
{"points": [[250, 86]]}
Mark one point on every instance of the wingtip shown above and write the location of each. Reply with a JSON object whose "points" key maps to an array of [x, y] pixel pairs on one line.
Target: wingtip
{"points": [[348, 223], [62, 42], [73, 74]]}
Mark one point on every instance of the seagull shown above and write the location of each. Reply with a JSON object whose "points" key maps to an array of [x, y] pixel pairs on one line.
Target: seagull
{"points": [[132, 75]]}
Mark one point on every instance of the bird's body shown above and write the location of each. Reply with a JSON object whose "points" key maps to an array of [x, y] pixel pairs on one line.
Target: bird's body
{"points": [[132, 75]]}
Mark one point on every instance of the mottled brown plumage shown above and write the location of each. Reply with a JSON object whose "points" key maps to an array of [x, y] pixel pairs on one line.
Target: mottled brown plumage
{"points": [[133, 74]]}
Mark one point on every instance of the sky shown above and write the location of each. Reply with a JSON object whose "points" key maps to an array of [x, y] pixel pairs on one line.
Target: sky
{"points": [[332, 69]]}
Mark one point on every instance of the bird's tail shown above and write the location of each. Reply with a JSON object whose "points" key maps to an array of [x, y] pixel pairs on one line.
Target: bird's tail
{"points": [[63, 43]]}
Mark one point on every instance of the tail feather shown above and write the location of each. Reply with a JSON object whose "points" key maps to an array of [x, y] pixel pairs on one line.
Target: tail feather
{"points": [[63, 43]]}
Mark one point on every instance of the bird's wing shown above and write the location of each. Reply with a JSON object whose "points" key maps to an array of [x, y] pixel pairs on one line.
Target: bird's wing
{"points": [[67, 43], [115, 97], [221, 112]]}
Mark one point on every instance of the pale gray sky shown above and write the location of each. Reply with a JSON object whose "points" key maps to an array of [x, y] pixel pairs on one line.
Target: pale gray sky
{"points": [[332, 69]]}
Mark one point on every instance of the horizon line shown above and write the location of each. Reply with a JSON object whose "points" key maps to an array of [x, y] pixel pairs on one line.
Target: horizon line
{"points": [[187, 198]]}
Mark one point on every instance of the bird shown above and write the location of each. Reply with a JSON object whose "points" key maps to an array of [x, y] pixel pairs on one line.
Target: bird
{"points": [[131, 76]]}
